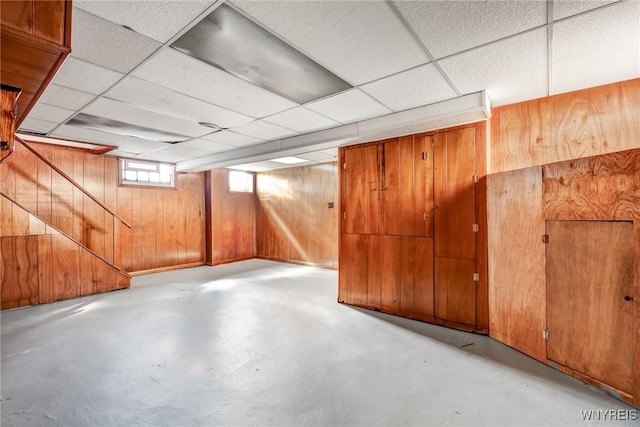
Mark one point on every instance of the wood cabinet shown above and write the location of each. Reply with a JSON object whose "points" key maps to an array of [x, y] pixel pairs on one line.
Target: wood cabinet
{"points": [[35, 40], [409, 227]]}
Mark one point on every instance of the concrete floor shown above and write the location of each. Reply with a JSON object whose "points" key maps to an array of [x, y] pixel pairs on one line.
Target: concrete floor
{"points": [[263, 343]]}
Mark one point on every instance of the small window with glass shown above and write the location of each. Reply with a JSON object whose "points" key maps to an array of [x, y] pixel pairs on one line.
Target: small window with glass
{"points": [[240, 181], [147, 173]]}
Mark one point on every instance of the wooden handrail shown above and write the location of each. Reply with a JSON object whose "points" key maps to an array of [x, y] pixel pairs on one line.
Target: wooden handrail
{"points": [[65, 235], [68, 178]]}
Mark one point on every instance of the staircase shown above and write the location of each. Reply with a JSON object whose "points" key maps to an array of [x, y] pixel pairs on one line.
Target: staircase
{"points": [[57, 240]]}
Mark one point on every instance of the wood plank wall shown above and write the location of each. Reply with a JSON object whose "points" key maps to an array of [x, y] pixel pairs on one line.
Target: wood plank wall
{"points": [[230, 219], [168, 227], [293, 220], [574, 125]]}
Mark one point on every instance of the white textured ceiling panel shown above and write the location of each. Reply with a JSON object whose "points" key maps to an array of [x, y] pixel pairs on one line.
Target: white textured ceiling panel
{"points": [[597, 48], [85, 77], [63, 97], [349, 106], [317, 156], [413, 88], [50, 113], [159, 20], [359, 41], [565, 8], [126, 143], [205, 144], [448, 27], [162, 100], [233, 139], [116, 110], [302, 120], [511, 70], [120, 49], [263, 130], [36, 125], [190, 76], [175, 153]]}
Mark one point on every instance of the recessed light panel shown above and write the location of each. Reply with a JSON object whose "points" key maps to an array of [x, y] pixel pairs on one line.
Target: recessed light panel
{"points": [[290, 160], [228, 40]]}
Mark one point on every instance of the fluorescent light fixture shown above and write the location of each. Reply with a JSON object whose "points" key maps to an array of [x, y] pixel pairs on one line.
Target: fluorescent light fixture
{"points": [[102, 124], [289, 160], [228, 40]]}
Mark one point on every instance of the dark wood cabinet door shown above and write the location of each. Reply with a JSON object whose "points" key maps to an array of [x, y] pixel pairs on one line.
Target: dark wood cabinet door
{"points": [[360, 185]]}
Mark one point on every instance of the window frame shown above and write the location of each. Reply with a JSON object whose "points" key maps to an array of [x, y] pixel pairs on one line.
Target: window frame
{"points": [[253, 182], [122, 169]]}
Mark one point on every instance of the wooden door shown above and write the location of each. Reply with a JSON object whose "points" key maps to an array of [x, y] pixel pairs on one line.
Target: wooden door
{"points": [[360, 179], [407, 186], [590, 305], [455, 216]]}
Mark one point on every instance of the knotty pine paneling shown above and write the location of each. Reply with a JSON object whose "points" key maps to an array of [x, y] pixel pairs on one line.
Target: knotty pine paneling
{"points": [[232, 231], [569, 126], [294, 222], [517, 293], [168, 225]]}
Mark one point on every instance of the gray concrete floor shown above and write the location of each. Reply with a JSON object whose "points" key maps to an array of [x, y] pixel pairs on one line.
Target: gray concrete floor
{"points": [[263, 343]]}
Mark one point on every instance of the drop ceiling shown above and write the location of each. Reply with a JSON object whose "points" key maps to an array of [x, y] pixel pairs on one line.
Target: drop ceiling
{"points": [[394, 57]]}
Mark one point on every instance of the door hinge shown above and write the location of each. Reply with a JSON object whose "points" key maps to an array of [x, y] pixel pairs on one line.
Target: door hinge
{"points": [[344, 166], [545, 335], [545, 238], [476, 228], [476, 277], [424, 216], [424, 155], [475, 179]]}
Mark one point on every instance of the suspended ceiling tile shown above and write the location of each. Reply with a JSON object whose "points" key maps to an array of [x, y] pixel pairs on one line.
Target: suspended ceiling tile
{"points": [[233, 139], [301, 120], [63, 97], [317, 156], [331, 151], [174, 153], [50, 113], [33, 125], [597, 48], [116, 110], [107, 44], [190, 76], [120, 153], [448, 27], [253, 167], [357, 40], [85, 77], [162, 100], [349, 106], [159, 20], [125, 143], [511, 70], [565, 8], [420, 86], [263, 130], [205, 144]]}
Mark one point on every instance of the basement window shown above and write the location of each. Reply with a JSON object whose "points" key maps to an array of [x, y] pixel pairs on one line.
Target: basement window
{"points": [[240, 181], [147, 173]]}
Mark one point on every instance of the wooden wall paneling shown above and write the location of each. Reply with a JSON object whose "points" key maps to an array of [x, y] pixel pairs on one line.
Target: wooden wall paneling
{"points": [[602, 187], [138, 216], [482, 267], [62, 207], [77, 173], [86, 277], [517, 293], [182, 218], [23, 174], [455, 290], [353, 272], [360, 186], [149, 248], [50, 20], [94, 233], [124, 209], [46, 291], [6, 209], [65, 256], [416, 272], [8, 103], [19, 268], [102, 276], [17, 15], [636, 299], [574, 125], [384, 265], [110, 200], [194, 218], [44, 180], [590, 271]]}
